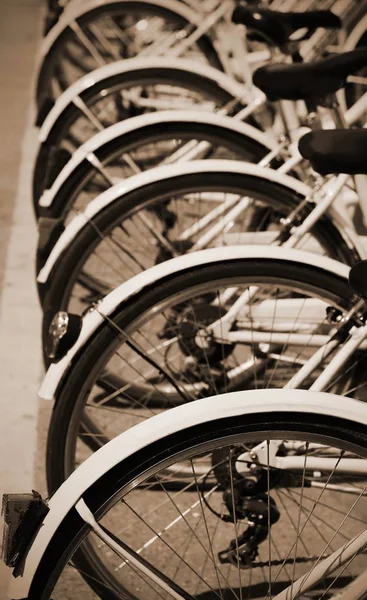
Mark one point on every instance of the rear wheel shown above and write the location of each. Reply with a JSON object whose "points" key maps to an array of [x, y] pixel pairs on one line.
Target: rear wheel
{"points": [[156, 350], [233, 531], [167, 218], [145, 147], [116, 98], [109, 32]]}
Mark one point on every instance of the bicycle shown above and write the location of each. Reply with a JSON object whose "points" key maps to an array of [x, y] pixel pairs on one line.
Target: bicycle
{"points": [[186, 207], [89, 35], [337, 337], [77, 102], [216, 320], [90, 170]]}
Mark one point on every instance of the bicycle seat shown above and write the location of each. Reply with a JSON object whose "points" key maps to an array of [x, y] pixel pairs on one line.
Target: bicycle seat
{"points": [[276, 28], [309, 81], [336, 150]]}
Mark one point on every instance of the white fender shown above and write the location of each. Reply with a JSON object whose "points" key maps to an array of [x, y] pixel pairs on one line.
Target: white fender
{"points": [[77, 8], [355, 35], [120, 67], [235, 404], [129, 288], [155, 175], [146, 120]]}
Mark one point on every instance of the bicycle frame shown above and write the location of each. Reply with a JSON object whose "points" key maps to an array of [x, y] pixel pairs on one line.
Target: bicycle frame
{"points": [[234, 206], [242, 58], [326, 346], [328, 192], [265, 455], [323, 196]]}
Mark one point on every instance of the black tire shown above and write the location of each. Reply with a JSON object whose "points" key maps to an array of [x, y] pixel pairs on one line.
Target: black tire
{"points": [[144, 464], [51, 61], [56, 293], [51, 154], [89, 365]]}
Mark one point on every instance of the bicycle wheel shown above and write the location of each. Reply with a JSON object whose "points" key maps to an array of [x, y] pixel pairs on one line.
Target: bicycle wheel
{"points": [[138, 89], [89, 36], [149, 355], [164, 218], [240, 528], [143, 144]]}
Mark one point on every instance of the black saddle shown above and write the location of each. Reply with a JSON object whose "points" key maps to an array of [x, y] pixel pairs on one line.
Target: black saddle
{"points": [[309, 81], [336, 150], [276, 28]]}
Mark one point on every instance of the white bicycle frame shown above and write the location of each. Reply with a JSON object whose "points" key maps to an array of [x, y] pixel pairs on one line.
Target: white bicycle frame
{"points": [[324, 196], [232, 41], [239, 404]]}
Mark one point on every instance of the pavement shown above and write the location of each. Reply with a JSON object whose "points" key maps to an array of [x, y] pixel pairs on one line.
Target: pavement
{"points": [[20, 362]]}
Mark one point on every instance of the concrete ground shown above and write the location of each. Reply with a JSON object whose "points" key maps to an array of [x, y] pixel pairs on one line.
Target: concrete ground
{"points": [[20, 35]]}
